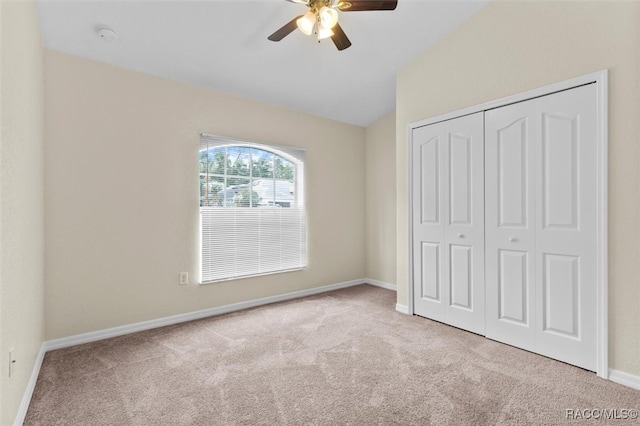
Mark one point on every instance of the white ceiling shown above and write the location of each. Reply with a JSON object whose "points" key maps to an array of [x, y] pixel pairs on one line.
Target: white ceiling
{"points": [[222, 44]]}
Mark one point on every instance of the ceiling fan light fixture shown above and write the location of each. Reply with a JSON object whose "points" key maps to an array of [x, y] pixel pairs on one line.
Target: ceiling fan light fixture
{"points": [[324, 32], [328, 17], [306, 23]]}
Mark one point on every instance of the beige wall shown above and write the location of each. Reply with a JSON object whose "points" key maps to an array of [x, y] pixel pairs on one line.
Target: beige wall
{"points": [[122, 195], [380, 208], [21, 200], [511, 47]]}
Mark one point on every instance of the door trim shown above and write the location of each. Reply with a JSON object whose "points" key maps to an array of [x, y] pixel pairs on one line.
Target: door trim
{"points": [[600, 79]]}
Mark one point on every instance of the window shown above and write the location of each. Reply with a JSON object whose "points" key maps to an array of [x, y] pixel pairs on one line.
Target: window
{"points": [[253, 218]]}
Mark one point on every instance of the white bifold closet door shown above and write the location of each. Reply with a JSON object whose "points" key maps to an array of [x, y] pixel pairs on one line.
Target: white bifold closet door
{"points": [[448, 217], [540, 162]]}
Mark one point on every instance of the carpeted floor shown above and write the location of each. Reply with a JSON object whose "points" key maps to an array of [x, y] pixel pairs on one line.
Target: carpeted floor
{"points": [[344, 357]]}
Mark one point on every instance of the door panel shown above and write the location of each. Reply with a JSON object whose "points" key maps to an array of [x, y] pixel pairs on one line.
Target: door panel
{"points": [[429, 189], [566, 227], [460, 179], [464, 234], [560, 183], [461, 283], [430, 265], [428, 229], [560, 304], [509, 227], [513, 287], [512, 174], [448, 255]]}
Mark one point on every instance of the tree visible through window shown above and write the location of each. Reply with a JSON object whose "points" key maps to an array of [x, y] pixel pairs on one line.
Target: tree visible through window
{"points": [[243, 176], [252, 209]]}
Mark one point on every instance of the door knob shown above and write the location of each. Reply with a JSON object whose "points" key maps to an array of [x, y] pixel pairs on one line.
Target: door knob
{"points": [[460, 235], [513, 239]]}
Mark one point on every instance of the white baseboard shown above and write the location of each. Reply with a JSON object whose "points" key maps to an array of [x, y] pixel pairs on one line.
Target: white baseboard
{"points": [[403, 309], [176, 319], [382, 284], [625, 379], [31, 385]]}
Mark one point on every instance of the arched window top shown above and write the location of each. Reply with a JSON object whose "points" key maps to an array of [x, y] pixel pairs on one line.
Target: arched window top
{"points": [[246, 174], [291, 155]]}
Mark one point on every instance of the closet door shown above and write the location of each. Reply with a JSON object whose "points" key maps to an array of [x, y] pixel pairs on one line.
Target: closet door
{"points": [[541, 225], [510, 227], [448, 218], [566, 227]]}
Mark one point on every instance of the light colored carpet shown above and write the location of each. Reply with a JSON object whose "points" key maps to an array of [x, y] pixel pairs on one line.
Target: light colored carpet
{"points": [[344, 357]]}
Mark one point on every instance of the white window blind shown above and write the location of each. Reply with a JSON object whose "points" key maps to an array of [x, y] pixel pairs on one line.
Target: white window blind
{"points": [[253, 218]]}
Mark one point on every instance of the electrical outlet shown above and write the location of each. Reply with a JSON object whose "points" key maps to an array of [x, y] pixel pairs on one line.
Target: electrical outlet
{"points": [[12, 361], [184, 278]]}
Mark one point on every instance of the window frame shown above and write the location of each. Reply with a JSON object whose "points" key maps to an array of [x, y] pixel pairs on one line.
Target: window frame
{"points": [[296, 156]]}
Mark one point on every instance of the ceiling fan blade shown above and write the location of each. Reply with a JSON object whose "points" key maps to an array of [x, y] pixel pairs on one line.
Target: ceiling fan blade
{"points": [[339, 38], [286, 29], [299, 1], [361, 5]]}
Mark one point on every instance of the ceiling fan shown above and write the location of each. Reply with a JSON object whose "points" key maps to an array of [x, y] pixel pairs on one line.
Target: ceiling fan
{"points": [[322, 18]]}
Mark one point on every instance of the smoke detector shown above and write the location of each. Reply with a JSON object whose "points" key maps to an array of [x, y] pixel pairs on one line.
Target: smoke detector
{"points": [[107, 34]]}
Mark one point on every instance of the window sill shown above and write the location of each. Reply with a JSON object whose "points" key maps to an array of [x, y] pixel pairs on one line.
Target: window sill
{"points": [[241, 277]]}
